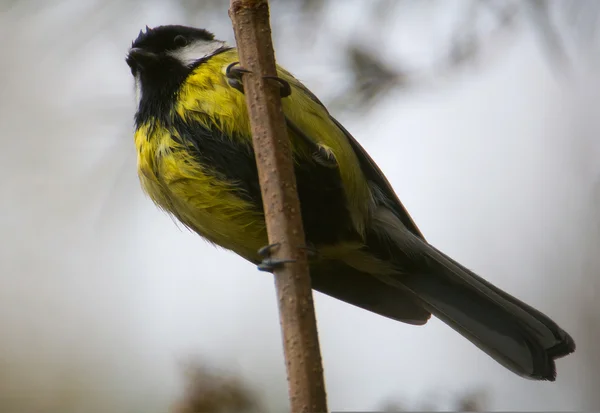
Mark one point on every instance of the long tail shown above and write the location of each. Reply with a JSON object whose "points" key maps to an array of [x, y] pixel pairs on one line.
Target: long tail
{"points": [[513, 333]]}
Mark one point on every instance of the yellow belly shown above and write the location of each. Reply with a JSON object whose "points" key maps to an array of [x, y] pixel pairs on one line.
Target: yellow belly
{"points": [[212, 208], [208, 206]]}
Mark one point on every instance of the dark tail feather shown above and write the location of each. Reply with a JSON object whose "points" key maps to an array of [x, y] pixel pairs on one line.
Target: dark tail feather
{"points": [[565, 344], [516, 335]]}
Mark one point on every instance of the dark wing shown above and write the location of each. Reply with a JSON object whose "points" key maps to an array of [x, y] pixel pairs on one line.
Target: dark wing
{"points": [[371, 170], [374, 175], [361, 289]]}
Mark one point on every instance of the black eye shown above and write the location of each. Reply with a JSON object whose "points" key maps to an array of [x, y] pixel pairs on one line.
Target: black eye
{"points": [[180, 41]]}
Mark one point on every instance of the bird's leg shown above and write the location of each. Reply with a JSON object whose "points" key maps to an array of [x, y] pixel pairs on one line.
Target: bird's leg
{"points": [[234, 79], [321, 154], [269, 264]]}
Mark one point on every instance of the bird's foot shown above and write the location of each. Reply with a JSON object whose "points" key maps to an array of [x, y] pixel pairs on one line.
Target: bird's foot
{"points": [[234, 76], [234, 73], [269, 264]]}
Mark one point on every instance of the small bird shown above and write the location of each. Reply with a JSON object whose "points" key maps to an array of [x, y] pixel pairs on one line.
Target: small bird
{"points": [[196, 161]]}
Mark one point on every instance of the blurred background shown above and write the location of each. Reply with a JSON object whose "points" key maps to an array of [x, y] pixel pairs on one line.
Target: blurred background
{"points": [[483, 115]]}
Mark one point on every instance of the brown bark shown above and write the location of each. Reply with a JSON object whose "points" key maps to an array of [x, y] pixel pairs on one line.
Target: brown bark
{"points": [[251, 25]]}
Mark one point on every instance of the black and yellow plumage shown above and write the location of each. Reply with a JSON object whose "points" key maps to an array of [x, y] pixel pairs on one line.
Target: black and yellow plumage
{"points": [[195, 160]]}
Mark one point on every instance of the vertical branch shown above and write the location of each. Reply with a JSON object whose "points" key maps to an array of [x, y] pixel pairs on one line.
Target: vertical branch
{"points": [[250, 20]]}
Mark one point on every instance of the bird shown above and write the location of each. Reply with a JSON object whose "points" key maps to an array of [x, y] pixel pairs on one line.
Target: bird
{"points": [[195, 160]]}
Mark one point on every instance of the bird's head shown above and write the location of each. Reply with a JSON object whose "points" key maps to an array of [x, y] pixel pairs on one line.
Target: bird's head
{"points": [[164, 55]]}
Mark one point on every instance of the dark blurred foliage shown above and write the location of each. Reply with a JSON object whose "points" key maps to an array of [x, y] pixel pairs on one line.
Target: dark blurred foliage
{"points": [[207, 390], [474, 401], [471, 401], [564, 28], [556, 22]]}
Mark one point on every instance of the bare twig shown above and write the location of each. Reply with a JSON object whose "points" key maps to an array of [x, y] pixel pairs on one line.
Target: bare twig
{"points": [[252, 30]]}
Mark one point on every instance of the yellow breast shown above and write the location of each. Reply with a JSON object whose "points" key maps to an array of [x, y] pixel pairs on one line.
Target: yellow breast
{"points": [[208, 206]]}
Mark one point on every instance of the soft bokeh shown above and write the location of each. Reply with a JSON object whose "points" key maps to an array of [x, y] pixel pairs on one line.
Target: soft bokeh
{"points": [[103, 297]]}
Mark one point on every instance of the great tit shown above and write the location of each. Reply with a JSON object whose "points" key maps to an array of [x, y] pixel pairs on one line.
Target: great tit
{"points": [[196, 161]]}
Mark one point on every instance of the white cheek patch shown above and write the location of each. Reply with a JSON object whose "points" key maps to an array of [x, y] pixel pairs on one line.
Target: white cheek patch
{"points": [[199, 49]]}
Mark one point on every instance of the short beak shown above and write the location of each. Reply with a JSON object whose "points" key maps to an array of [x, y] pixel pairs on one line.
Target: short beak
{"points": [[139, 58]]}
